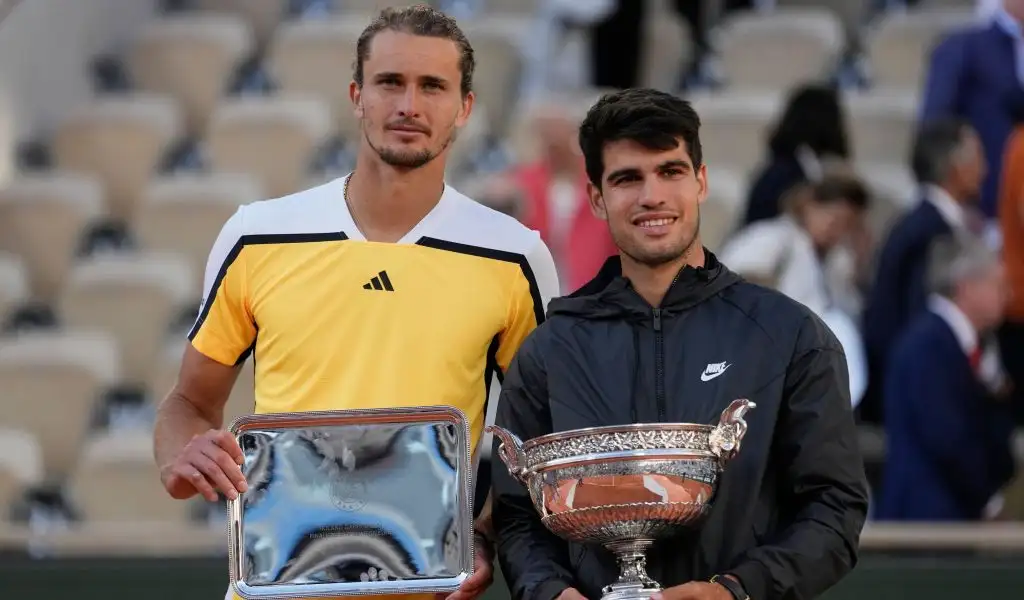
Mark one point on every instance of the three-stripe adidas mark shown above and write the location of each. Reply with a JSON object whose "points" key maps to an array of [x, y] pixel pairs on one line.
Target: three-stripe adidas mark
{"points": [[380, 282]]}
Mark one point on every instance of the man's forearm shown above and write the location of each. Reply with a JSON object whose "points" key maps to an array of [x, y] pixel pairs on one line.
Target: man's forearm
{"points": [[809, 556], [483, 523], [177, 422], [535, 561]]}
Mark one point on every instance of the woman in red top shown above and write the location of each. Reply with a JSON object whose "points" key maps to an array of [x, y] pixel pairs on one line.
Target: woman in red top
{"points": [[554, 188]]}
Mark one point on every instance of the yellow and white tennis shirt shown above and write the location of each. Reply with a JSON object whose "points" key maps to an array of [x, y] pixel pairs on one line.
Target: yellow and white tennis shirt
{"points": [[335, 321]]}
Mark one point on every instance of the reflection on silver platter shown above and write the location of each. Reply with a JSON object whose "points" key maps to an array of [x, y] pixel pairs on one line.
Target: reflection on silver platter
{"points": [[625, 486], [352, 503]]}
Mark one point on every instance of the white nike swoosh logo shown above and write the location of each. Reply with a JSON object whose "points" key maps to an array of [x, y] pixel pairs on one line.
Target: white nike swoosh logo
{"points": [[705, 376]]}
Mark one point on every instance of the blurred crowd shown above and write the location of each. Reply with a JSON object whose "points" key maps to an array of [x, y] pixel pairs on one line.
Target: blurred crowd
{"points": [[922, 281], [930, 313]]}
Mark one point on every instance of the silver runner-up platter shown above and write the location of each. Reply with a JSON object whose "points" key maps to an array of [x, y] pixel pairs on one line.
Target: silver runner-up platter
{"points": [[625, 486], [352, 503]]}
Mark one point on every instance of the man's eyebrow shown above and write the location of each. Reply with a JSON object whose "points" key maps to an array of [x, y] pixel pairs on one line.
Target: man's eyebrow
{"points": [[622, 172], [424, 78], [675, 163]]}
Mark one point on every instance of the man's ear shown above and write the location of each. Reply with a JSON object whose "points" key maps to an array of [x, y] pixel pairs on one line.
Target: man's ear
{"points": [[702, 181], [355, 95], [596, 201], [466, 110]]}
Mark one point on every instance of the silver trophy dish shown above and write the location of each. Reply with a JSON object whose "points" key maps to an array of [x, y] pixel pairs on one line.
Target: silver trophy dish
{"points": [[352, 503], [625, 486]]}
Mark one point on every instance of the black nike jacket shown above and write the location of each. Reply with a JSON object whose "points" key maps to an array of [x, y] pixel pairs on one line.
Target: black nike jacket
{"points": [[790, 507]]}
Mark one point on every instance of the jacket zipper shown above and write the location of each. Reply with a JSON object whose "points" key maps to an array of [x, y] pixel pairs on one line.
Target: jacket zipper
{"points": [[659, 366], [659, 360]]}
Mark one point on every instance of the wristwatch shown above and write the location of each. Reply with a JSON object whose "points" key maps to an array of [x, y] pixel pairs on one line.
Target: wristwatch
{"points": [[734, 587]]}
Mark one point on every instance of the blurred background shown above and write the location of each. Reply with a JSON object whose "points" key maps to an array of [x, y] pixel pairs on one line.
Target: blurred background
{"points": [[131, 129]]}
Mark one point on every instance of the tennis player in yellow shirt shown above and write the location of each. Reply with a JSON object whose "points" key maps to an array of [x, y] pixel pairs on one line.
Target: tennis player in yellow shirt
{"points": [[379, 286]]}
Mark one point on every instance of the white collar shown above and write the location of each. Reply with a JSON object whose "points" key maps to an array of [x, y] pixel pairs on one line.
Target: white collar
{"points": [[950, 210], [419, 230], [962, 328], [809, 163], [1008, 24]]}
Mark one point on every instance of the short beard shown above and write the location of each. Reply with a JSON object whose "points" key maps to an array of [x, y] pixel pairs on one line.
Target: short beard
{"points": [[657, 260], [407, 160]]}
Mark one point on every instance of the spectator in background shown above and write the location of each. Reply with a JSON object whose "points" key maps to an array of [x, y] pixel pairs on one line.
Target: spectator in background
{"points": [[791, 252], [949, 437], [1011, 220], [802, 254], [811, 129], [949, 165], [554, 194], [978, 74]]}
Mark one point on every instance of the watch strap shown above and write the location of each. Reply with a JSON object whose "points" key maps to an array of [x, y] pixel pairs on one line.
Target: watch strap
{"points": [[734, 587]]}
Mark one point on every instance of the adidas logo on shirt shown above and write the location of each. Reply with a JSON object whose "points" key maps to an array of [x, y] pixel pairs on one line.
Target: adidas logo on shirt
{"points": [[380, 282]]}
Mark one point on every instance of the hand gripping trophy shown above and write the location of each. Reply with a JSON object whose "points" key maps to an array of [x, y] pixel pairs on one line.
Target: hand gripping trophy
{"points": [[625, 486]]}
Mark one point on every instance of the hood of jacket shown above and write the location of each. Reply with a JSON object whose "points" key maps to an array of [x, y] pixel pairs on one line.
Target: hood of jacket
{"points": [[609, 295]]}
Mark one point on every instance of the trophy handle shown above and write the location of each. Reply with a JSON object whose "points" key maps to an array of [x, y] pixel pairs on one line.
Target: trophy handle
{"points": [[510, 451], [725, 438]]}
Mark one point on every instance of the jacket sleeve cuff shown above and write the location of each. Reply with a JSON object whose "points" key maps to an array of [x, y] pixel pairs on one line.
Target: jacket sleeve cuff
{"points": [[754, 578], [549, 590]]}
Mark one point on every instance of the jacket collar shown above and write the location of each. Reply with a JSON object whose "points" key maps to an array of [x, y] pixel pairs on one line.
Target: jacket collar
{"points": [[610, 294]]}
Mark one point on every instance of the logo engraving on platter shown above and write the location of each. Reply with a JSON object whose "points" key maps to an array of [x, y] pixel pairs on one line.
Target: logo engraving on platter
{"points": [[349, 495]]}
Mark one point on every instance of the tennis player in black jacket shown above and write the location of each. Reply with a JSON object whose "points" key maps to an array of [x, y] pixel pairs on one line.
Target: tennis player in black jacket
{"points": [[666, 333]]}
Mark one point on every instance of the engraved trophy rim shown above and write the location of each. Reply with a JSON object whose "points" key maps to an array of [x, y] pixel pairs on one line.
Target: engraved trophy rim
{"points": [[358, 417], [584, 432]]}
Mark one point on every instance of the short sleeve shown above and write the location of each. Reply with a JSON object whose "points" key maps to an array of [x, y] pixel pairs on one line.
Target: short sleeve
{"points": [[536, 286], [224, 330]]}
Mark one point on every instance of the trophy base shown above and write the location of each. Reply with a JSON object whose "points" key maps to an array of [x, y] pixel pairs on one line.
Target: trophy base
{"points": [[629, 591], [633, 583]]}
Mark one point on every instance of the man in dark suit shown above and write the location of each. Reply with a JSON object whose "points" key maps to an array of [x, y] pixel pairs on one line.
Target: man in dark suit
{"points": [[949, 165], [949, 449], [975, 74]]}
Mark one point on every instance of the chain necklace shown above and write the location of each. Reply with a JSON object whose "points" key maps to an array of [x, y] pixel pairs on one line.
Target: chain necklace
{"points": [[348, 202]]}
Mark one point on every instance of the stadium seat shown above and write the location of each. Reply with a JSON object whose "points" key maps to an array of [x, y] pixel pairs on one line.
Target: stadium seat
{"points": [[243, 395], [375, 6], [133, 297], [122, 140], [734, 127], [498, 65], [117, 480], [470, 144], [21, 466], [780, 50], [850, 13], [263, 16], [275, 140], [51, 384], [14, 285], [524, 8], [881, 125], [899, 48], [720, 212], [192, 58], [666, 49], [960, 4], [893, 191], [303, 51], [183, 214], [42, 218]]}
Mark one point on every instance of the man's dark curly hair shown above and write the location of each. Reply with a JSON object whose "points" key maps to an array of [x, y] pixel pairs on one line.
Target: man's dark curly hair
{"points": [[653, 119], [421, 20]]}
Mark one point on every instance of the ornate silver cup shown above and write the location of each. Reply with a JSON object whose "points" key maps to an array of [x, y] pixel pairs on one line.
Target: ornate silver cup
{"points": [[625, 486]]}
